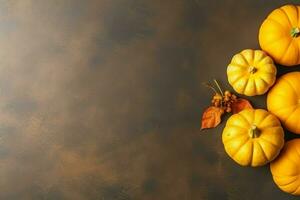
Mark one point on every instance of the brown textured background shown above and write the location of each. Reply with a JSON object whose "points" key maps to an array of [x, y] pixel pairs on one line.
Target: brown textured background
{"points": [[101, 99]]}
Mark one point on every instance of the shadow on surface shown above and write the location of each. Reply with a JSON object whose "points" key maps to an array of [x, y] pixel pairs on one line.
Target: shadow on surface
{"points": [[288, 135], [281, 70]]}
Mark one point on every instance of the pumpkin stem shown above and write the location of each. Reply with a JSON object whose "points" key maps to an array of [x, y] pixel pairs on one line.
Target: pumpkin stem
{"points": [[295, 32], [254, 132], [252, 70]]}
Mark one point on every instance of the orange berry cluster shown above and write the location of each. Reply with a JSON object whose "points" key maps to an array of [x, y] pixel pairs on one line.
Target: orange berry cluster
{"points": [[225, 101]]}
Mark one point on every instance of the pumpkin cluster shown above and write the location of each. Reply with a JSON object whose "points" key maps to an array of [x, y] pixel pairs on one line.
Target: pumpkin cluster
{"points": [[255, 137]]}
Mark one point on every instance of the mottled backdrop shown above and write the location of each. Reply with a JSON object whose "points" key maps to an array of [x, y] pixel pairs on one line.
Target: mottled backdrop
{"points": [[102, 99]]}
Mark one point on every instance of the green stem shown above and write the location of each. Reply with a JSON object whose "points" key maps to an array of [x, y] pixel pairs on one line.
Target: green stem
{"points": [[252, 70], [295, 32], [254, 132], [221, 91]]}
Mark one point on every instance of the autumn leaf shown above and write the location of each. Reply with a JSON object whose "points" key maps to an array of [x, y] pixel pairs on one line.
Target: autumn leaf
{"points": [[211, 117], [240, 104]]}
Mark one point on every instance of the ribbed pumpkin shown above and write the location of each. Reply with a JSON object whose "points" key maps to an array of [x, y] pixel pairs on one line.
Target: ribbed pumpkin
{"points": [[279, 35], [251, 72], [253, 137], [283, 100], [285, 168]]}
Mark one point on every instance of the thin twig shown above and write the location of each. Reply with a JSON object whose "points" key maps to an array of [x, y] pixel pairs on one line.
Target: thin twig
{"points": [[221, 91], [210, 86]]}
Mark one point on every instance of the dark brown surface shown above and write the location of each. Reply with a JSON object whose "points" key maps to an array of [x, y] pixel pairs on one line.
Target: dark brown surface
{"points": [[102, 99]]}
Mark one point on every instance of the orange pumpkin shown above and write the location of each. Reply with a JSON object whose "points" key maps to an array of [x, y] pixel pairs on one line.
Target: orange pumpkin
{"points": [[251, 72], [279, 35], [285, 168], [283, 100], [253, 137]]}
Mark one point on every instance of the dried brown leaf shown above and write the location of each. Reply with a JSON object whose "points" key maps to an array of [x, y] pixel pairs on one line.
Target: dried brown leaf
{"points": [[240, 104], [211, 117]]}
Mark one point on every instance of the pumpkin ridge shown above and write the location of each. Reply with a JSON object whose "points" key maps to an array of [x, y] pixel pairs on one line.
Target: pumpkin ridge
{"points": [[238, 69], [291, 85], [265, 83], [264, 115], [245, 85], [290, 114], [286, 49], [244, 58], [291, 160], [297, 150], [276, 22], [295, 8], [281, 175], [258, 56], [263, 79], [230, 66], [261, 66], [251, 156], [237, 57], [296, 191], [247, 54], [293, 180], [255, 89], [265, 128], [264, 119], [296, 46], [297, 51], [238, 79], [262, 150], [273, 42], [298, 60], [297, 188], [244, 118], [271, 143], [235, 137], [240, 146], [285, 107], [292, 14], [268, 62], [233, 125], [297, 15], [237, 64], [287, 17], [241, 71]]}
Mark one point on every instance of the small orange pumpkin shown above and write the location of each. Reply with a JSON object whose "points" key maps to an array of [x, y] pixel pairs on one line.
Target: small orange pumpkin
{"points": [[253, 137], [251, 72], [283, 100], [279, 35], [285, 168]]}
